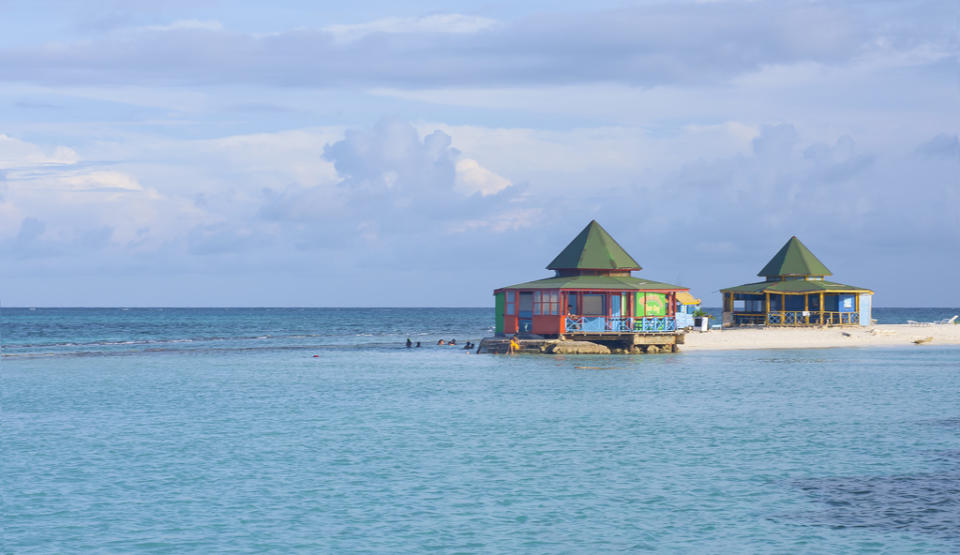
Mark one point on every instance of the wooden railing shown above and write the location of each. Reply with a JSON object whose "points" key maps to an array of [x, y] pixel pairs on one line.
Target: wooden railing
{"points": [[796, 318]]}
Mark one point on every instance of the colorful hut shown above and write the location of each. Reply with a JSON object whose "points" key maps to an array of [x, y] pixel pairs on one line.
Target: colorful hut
{"points": [[795, 293], [593, 294]]}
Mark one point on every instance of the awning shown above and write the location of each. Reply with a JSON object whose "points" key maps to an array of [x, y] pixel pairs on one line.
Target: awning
{"points": [[686, 298]]}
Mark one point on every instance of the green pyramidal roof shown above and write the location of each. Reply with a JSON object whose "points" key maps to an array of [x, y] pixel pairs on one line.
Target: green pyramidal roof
{"points": [[794, 259], [593, 249]]}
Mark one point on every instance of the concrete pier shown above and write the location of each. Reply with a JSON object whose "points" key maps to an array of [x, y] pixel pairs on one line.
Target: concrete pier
{"points": [[589, 344]]}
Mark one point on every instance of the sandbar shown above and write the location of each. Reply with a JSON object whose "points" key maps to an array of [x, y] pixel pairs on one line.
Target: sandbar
{"points": [[822, 338]]}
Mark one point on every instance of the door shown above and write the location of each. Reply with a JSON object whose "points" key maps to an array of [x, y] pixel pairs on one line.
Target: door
{"points": [[848, 308], [614, 312], [865, 309], [525, 313]]}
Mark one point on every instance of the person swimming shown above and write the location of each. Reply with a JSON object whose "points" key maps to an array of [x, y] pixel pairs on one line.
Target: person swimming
{"points": [[409, 343], [453, 342], [418, 344], [441, 342]]}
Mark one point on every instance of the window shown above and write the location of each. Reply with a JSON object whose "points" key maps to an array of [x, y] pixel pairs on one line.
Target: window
{"points": [[593, 305], [525, 303], [510, 305], [546, 303]]}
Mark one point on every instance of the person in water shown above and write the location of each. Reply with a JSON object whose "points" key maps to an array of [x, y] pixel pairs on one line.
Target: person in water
{"points": [[418, 344], [409, 343], [441, 342], [453, 341]]}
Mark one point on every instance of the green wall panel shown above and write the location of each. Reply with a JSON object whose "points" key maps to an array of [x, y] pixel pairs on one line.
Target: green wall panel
{"points": [[656, 304]]}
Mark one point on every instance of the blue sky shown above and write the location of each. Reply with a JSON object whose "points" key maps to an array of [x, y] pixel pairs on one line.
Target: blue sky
{"points": [[211, 153]]}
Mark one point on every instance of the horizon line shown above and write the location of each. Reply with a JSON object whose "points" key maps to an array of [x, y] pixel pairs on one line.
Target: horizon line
{"points": [[120, 307]]}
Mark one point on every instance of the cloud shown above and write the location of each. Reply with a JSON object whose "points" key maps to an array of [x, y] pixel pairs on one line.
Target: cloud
{"points": [[943, 145], [471, 178], [646, 45], [695, 206], [184, 25], [15, 153], [775, 141], [395, 181], [438, 23], [224, 238], [54, 201], [98, 181], [831, 193], [30, 230], [392, 159]]}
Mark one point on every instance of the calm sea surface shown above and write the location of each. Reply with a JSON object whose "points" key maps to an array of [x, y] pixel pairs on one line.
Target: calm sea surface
{"points": [[199, 430]]}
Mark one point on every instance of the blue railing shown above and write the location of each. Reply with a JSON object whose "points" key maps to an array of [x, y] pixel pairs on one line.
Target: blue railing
{"points": [[656, 324], [600, 324]]}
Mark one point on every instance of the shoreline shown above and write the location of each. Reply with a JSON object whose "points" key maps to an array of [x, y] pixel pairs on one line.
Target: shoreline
{"points": [[881, 335]]}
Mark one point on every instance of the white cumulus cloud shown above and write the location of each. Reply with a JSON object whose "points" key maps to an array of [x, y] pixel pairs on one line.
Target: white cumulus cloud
{"points": [[15, 153], [438, 23], [471, 178], [185, 25]]}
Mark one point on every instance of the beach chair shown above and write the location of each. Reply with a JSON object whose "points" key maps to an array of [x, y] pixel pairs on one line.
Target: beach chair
{"points": [[949, 320]]}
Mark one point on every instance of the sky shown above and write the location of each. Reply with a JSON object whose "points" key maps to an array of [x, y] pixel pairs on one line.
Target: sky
{"points": [[375, 153]]}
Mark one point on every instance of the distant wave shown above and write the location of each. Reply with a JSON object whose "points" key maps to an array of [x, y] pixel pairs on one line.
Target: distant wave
{"points": [[110, 343], [159, 341], [114, 343], [372, 346], [118, 332]]}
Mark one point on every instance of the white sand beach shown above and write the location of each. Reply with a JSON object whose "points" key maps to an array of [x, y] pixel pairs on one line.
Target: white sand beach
{"points": [[820, 338]]}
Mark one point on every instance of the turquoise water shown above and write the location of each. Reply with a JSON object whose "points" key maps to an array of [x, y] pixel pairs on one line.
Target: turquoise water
{"points": [[219, 430]]}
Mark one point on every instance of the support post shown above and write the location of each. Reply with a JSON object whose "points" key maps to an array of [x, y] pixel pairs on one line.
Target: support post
{"points": [[766, 309], [821, 310], [733, 314]]}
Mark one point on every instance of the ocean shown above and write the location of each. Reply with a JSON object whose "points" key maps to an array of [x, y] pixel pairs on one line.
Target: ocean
{"points": [[278, 430]]}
